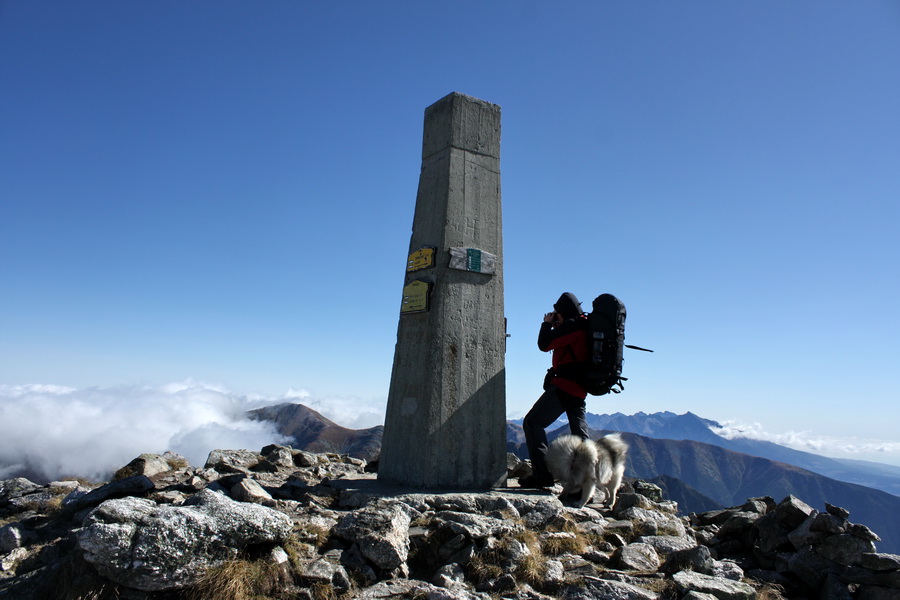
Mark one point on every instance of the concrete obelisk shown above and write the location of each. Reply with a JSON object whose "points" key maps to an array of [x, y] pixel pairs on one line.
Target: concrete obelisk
{"points": [[446, 414]]}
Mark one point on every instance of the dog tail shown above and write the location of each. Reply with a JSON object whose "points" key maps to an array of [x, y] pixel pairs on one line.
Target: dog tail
{"points": [[615, 445]]}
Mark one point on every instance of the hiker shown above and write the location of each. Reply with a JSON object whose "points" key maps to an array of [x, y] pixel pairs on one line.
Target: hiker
{"points": [[564, 332]]}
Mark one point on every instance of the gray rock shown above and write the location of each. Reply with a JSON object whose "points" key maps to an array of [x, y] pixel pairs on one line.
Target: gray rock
{"points": [[862, 532], [602, 589], [626, 501], [809, 566], [15, 488], [553, 571], [871, 592], [42, 500], [620, 528], [723, 589], [322, 570], [449, 576], [771, 534], [138, 544], [739, 523], [650, 490], [249, 490], [869, 577], [792, 511], [232, 461], [307, 459], [803, 535], [381, 531], [756, 505], [667, 544], [538, 511], [148, 465], [478, 527], [405, 588], [638, 557], [834, 589], [665, 524], [845, 549], [278, 456], [137, 485], [697, 559], [516, 468], [11, 560], [837, 511], [828, 523], [726, 569], [877, 561], [12, 536]]}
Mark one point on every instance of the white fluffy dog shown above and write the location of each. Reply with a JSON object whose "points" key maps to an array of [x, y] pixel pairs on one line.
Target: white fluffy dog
{"points": [[587, 465]]}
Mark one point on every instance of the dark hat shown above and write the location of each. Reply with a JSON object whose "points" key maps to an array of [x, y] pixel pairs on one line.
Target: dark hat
{"points": [[568, 306]]}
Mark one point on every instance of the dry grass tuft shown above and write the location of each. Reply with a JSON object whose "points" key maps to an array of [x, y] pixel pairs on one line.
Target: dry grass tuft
{"points": [[768, 591], [178, 463], [483, 567], [323, 591], [237, 580], [554, 546], [531, 570], [530, 539], [313, 534]]}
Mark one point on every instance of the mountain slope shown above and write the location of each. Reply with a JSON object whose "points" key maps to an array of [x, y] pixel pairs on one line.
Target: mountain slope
{"points": [[309, 430], [730, 477], [668, 425]]}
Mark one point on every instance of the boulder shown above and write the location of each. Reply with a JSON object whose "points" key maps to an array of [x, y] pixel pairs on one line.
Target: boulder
{"points": [[593, 588], [638, 557], [232, 461], [136, 485], [877, 561], [792, 511], [146, 464], [12, 536], [478, 527], [381, 531], [845, 549], [138, 544], [723, 589], [248, 490]]}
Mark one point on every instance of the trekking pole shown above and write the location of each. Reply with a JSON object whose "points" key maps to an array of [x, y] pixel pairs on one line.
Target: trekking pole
{"points": [[638, 348]]}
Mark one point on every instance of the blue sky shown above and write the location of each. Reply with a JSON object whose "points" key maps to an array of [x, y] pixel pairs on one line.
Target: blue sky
{"points": [[222, 193]]}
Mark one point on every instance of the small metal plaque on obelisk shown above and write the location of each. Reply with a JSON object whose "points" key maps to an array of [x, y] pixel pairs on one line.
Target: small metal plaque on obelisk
{"points": [[445, 425]]}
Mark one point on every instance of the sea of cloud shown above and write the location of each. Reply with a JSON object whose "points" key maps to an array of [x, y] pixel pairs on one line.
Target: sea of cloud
{"points": [[49, 432], [833, 446]]}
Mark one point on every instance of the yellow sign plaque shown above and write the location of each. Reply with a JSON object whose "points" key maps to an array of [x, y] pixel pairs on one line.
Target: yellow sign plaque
{"points": [[422, 258], [415, 297]]}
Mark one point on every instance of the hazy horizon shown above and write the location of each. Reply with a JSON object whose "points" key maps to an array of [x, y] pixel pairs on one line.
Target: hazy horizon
{"points": [[91, 432]]}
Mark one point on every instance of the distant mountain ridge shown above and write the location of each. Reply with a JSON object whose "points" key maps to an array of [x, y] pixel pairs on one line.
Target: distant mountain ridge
{"points": [[309, 430]]}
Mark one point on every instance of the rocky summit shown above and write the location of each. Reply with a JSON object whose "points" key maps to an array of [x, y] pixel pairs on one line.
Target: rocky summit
{"points": [[289, 524]]}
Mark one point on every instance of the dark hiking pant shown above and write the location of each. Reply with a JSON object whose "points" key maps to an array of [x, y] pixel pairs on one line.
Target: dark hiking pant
{"points": [[549, 407]]}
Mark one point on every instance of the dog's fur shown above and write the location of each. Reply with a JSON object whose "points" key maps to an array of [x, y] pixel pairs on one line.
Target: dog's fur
{"points": [[585, 465]]}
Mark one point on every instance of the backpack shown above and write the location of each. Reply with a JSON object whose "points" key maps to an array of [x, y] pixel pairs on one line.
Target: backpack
{"points": [[606, 340]]}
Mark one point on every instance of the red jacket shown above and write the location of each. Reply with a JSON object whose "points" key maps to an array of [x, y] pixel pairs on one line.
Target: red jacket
{"points": [[570, 353]]}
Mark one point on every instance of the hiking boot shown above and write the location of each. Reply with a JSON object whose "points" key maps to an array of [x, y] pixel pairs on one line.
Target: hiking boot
{"points": [[536, 481]]}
